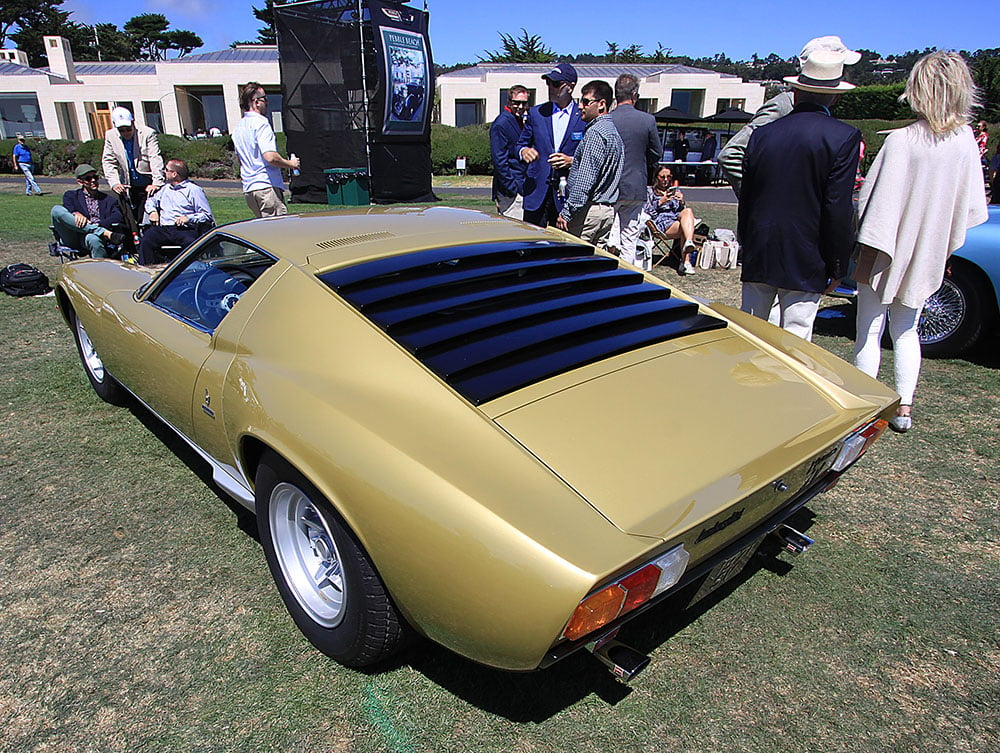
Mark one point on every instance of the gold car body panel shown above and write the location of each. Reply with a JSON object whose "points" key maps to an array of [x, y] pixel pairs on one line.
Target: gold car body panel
{"points": [[727, 419], [476, 518], [469, 531]]}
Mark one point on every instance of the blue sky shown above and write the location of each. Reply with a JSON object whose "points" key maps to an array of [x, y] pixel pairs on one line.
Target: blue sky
{"points": [[462, 29]]}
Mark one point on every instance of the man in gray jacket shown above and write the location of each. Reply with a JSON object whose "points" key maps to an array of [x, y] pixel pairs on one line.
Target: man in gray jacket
{"points": [[731, 156], [642, 155]]}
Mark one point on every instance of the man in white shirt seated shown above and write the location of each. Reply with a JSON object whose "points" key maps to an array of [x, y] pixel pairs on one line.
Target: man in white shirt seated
{"points": [[179, 212]]}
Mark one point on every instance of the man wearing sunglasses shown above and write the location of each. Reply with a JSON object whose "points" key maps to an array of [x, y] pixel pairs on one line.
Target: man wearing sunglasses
{"points": [[589, 209], [552, 131], [260, 162], [508, 170], [132, 163], [84, 220]]}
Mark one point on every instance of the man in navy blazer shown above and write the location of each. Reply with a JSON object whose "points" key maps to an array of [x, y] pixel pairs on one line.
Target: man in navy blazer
{"points": [[551, 134], [796, 211], [84, 220], [508, 170]]}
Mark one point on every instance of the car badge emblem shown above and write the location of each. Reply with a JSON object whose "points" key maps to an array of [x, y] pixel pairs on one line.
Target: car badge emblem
{"points": [[714, 529], [205, 406]]}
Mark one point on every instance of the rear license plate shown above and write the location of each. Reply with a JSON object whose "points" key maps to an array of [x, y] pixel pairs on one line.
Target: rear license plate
{"points": [[725, 570]]}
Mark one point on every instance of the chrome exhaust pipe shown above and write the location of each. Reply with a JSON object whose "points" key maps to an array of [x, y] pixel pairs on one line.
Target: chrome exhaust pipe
{"points": [[623, 661], [795, 542]]}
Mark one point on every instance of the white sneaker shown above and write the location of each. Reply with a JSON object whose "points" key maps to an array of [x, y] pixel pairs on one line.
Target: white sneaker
{"points": [[688, 268]]}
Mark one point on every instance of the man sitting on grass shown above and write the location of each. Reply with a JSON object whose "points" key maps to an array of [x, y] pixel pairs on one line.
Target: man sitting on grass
{"points": [[180, 214], [84, 220]]}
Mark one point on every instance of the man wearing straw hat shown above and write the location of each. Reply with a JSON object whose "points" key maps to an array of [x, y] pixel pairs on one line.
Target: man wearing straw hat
{"points": [[731, 156], [796, 204]]}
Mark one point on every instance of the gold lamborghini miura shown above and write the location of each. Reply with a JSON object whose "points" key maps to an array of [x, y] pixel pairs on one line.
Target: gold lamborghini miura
{"points": [[451, 423]]}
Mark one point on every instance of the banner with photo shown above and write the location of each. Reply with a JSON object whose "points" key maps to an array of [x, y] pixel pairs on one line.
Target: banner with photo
{"points": [[406, 70], [407, 95]]}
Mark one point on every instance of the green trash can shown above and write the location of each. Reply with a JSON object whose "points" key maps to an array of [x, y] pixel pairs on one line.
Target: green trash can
{"points": [[347, 186]]}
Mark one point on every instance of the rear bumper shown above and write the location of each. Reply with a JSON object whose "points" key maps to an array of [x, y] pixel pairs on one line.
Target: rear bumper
{"points": [[759, 531]]}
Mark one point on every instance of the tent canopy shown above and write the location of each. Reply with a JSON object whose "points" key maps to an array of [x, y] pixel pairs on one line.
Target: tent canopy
{"points": [[673, 115], [731, 115]]}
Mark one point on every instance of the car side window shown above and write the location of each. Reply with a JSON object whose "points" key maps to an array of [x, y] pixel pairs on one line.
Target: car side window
{"points": [[207, 286]]}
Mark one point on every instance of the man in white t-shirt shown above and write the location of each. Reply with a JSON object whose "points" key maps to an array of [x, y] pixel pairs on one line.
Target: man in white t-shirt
{"points": [[260, 163]]}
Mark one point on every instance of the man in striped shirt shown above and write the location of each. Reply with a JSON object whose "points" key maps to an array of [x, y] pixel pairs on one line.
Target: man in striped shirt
{"points": [[589, 209]]}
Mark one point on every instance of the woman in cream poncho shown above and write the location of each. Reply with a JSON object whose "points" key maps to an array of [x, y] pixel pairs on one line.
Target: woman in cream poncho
{"points": [[924, 190]]}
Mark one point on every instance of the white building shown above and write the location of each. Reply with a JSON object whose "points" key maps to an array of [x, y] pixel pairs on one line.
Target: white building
{"points": [[70, 100], [477, 94]]}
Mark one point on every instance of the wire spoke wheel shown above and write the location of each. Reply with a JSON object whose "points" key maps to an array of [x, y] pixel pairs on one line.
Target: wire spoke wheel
{"points": [[943, 313]]}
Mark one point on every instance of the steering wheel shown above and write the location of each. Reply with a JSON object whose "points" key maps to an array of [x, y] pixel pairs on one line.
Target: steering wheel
{"points": [[217, 291]]}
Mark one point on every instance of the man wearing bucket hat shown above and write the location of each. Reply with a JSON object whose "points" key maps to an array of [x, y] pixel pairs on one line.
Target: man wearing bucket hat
{"points": [[84, 220], [551, 133], [731, 156], [796, 203]]}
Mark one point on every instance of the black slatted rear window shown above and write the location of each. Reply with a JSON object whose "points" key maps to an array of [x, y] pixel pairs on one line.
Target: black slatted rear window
{"points": [[492, 318]]}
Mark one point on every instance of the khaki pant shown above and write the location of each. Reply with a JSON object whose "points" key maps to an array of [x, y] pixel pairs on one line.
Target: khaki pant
{"points": [[593, 223], [796, 308], [511, 206], [266, 202]]}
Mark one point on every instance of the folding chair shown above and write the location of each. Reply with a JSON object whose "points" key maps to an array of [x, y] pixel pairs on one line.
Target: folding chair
{"points": [[58, 250], [668, 249]]}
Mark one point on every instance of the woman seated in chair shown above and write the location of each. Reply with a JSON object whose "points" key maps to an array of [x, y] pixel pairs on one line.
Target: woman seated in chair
{"points": [[669, 219]]}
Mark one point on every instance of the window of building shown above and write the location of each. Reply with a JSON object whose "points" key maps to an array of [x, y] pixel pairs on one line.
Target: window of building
{"points": [[19, 113], [66, 115], [154, 116], [202, 108], [688, 100], [470, 112], [725, 104], [275, 109], [646, 105]]}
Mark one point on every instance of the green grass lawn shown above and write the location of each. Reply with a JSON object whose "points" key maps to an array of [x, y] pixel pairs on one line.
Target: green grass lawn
{"points": [[137, 611]]}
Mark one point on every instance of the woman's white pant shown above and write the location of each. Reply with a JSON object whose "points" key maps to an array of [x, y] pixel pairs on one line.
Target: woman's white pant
{"points": [[905, 340]]}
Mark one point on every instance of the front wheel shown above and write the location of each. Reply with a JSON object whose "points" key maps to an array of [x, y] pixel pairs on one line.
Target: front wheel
{"points": [[328, 583], [952, 318], [105, 385]]}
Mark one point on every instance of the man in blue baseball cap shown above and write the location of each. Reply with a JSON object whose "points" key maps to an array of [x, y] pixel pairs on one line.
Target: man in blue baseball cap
{"points": [[552, 131]]}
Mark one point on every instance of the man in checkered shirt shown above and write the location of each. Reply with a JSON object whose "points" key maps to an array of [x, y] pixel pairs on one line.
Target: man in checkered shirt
{"points": [[589, 209]]}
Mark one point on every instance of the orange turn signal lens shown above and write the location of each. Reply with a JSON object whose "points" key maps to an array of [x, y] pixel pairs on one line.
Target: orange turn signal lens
{"points": [[596, 610]]}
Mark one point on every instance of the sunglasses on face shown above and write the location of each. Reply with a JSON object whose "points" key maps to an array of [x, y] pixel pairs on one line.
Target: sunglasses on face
{"points": [[88, 178]]}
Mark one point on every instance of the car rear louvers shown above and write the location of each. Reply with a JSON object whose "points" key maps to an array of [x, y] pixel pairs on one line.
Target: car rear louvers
{"points": [[492, 318]]}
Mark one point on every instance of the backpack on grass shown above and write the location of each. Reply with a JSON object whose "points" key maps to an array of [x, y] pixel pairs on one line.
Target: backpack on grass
{"points": [[23, 279]]}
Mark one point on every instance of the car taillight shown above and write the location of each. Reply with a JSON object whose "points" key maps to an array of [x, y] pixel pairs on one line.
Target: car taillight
{"points": [[856, 444], [627, 593]]}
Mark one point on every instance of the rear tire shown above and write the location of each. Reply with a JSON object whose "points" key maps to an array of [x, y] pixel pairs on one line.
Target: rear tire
{"points": [[953, 317], [329, 585], [106, 386]]}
